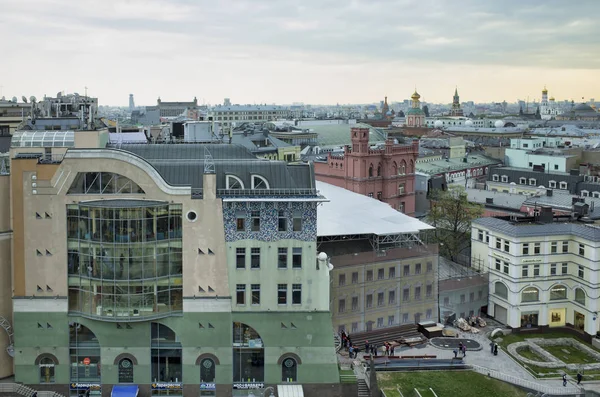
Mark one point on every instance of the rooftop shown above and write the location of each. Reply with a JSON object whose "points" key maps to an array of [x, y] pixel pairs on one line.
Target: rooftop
{"points": [[339, 134], [502, 200], [535, 229], [453, 164], [564, 200], [348, 213]]}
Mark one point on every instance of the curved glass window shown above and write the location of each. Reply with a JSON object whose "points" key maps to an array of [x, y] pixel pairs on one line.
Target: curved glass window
{"points": [[580, 296], [103, 183], [84, 351], [558, 292], [43, 139], [501, 290], [124, 259], [530, 294], [248, 354]]}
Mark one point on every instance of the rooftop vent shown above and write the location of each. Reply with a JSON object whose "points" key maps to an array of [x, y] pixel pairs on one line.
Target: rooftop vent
{"points": [[546, 214], [549, 192]]}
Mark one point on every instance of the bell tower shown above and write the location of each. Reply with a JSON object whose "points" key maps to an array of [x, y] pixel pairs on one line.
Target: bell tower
{"points": [[360, 140]]}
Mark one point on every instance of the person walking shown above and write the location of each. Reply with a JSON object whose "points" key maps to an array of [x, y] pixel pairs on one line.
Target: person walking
{"points": [[495, 349], [350, 351], [564, 378], [367, 346], [464, 349], [455, 353], [579, 377]]}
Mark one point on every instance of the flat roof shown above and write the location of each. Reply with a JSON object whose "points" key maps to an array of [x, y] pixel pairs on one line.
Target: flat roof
{"points": [[349, 213]]}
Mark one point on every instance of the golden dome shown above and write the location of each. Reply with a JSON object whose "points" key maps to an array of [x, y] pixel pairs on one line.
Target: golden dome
{"points": [[545, 91], [552, 98], [416, 95]]}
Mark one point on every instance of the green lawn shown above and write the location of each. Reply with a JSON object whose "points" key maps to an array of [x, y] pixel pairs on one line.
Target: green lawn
{"points": [[541, 372], [445, 383], [531, 354]]}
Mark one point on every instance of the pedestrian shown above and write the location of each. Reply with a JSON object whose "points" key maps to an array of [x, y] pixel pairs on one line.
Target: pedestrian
{"points": [[387, 349], [464, 350], [460, 346], [455, 353], [350, 351], [579, 377], [367, 346], [565, 380], [392, 350], [34, 394], [495, 349]]}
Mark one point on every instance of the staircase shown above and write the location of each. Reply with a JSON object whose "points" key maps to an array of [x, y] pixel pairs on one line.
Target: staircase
{"points": [[18, 390], [363, 389]]}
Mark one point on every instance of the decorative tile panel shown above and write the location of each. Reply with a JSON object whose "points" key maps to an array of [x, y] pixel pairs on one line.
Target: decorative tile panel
{"points": [[269, 221]]}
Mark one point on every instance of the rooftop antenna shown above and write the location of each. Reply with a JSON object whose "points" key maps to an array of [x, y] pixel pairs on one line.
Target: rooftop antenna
{"points": [[209, 163]]}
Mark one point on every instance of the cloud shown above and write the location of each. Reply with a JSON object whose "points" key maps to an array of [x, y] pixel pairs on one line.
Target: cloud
{"points": [[121, 39]]}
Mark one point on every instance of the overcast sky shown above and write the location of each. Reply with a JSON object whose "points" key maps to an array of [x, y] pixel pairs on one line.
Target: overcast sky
{"points": [[312, 51]]}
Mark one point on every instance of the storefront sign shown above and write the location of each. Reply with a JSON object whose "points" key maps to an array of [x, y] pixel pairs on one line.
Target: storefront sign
{"points": [[532, 260], [501, 256], [208, 386], [167, 386], [46, 365], [85, 386], [247, 386]]}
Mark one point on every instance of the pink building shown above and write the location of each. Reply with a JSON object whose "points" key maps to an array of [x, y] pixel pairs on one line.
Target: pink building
{"points": [[387, 174]]}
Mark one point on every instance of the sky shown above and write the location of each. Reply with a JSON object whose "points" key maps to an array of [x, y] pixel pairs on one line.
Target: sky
{"points": [[311, 51]]}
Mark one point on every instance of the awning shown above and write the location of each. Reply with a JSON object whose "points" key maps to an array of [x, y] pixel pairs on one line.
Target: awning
{"points": [[290, 391], [124, 391]]}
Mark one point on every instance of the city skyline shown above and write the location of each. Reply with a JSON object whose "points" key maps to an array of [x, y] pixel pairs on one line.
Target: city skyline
{"points": [[318, 52]]}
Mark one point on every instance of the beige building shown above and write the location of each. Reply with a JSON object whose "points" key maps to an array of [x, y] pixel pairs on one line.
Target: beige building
{"points": [[384, 273], [6, 321], [12, 113]]}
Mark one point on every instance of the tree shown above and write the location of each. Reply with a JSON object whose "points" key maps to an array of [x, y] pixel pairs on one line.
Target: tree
{"points": [[451, 214], [401, 114], [426, 110]]}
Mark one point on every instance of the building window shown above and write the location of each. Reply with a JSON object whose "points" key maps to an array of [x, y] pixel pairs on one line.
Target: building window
{"points": [[379, 196], [446, 301], [255, 258], [417, 293], [380, 274], [341, 280], [530, 294], [282, 257], [429, 267], [401, 207], [390, 320], [354, 327], [506, 246], [240, 258], [536, 270], [391, 297], [505, 270], [240, 294], [580, 296], [369, 303], [296, 294], [525, 249], [522, 181], [392, 273], [289, 370], [525, 271], [166, 353], [504, 178], [554, 247], [282, 294], [565, 268], [103, 183], [428, 291], [404, 317], [255, 292], [500, 290], [297, 257], [552, 184], [480, 295], [125, 370], [401, 188], [255, 225], [354, 303], [558, 292], [428, 314], [47, 366], [258, 182], [240, 221], [480, 235], [282, 221], [472, 297], [462, 298], [495, 178], [297, 221], [233, 182], [562, 185], [380, 322], [565, 247], [498, 243], [498, 264], [341, 305], [355, 278], [553, 269], [370, 194], [380, 301], [537, 248], [581, 249], [580, 272], [418, 268], [531, 181], [407, 270], [369, 275], [585, 193]]}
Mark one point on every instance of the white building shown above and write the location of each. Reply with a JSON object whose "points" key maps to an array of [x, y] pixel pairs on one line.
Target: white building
{"points": [[541, 273], [227, 115], [543, 152], [548, 108]]}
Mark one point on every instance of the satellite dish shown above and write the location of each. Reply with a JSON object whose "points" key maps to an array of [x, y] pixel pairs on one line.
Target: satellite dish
{"points": [[32, 99], [24, 99], [10, 350]]}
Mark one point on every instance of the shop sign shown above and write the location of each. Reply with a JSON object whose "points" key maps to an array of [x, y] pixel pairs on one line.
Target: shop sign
{"points": [[85, 386], [248, 386], [208, 386], [167, 386], [500, 256], [47, 365], [532, 260]]}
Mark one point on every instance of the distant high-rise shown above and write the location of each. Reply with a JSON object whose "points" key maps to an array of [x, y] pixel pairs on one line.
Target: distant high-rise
{"points": [[131, 102]]}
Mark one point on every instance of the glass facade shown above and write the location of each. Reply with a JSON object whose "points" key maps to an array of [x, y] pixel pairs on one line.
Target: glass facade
{"points": [[248, 354], [84, 351], [125, 260]]}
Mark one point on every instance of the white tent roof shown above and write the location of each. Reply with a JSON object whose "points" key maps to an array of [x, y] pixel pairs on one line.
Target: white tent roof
{"points": [[347, 212], [290, 391], [128, 137]]}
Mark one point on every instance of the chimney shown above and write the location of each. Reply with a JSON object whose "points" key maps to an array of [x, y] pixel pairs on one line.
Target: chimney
{"points": [[546, 214], [549, 192]]}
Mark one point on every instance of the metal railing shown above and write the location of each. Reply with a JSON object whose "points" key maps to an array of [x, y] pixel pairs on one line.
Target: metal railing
{"points": [[266, 192], [26, 391], [559, 391]]}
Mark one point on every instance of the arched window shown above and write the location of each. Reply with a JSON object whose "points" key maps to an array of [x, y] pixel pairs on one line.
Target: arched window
{"points": [[370, 170], [248, 354], [47, 365], [558, 291], [580, 296], [125, 371], [258, 182], [412, 167], [501, 290], [233, 182], [394, 168], [85, 355], [165, 354], [379, 170], [289, 370], [207, 370], [530, 294], [402, 168], [103, 183]]}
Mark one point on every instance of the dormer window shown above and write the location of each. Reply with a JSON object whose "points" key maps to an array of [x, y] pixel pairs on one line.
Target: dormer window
{"points": [[495, 178], [233, 182], [522, 181], [258, 182], [552, 184], [504, 178], [562, 185], [585, 193], [531, 181]]}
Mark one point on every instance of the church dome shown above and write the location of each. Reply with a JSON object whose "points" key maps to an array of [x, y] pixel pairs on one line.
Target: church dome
{"points": [[438, 124], [416, 95], [469, 123], [583, 108], [545, 91], [499, 124], [552, 99], [416, 111]]}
